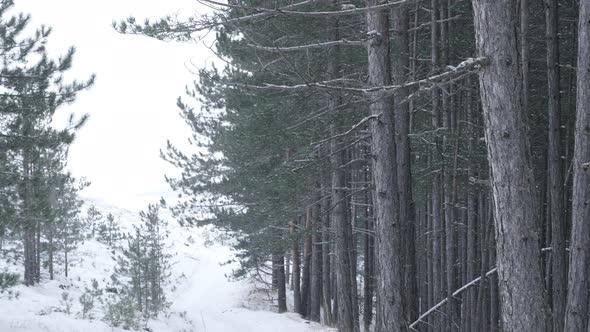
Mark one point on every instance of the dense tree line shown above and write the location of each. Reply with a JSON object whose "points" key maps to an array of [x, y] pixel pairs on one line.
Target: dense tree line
{"points": [[39, 205], [401, 164]]}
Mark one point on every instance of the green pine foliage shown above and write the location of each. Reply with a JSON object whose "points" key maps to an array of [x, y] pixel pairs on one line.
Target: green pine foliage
{"points": [[92, 221], [108, 230], [37, 197], [8, 279], [143, 268], [123, 312], [263, 154]]}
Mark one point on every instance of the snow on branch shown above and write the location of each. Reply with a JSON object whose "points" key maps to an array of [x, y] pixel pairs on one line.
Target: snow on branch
{"points": [[343, 42], [348, 132], [169, 29], [467, 66], [457, 292], [286, 10]]}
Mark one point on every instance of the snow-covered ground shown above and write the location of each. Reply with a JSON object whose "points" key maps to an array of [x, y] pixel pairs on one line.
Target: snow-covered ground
{"points": [[203, 299]]}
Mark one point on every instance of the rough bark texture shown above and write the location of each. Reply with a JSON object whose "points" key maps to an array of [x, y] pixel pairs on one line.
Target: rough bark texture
{"points": [[555, 184], [316, 265], [436, 208], [430, 261], [29, 226], [326, 271], [520, 279], [346, 321], [471, 258], [369, 258], [306, 275], [296, 275], [390, 316], [524, 53], [279, 262], [400, 65], [274, 276], [576, 318], [472, 218]]}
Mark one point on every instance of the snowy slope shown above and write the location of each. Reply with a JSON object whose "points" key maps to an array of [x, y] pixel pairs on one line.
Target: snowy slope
{"points": [[203, 298]]}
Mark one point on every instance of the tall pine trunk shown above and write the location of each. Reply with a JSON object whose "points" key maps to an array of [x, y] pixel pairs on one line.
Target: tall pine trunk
{"points": [[296, 275], [390, 314], [369, 262], [306, 275], [522, 293], [346, 317], [279, 265], [577, 309], [555, 186], [326, 267], [316, 264], [435, 163], [400, 64]]}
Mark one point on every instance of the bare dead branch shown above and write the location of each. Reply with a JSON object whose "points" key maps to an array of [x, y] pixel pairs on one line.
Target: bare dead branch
{"points": [[343, 42], [455, 293]]}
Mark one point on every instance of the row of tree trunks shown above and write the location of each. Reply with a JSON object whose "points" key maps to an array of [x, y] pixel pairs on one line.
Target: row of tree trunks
{"points": [[460, 243], [461, 237]]}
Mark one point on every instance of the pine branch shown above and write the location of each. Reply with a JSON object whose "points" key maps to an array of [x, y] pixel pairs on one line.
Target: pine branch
{"points": [[285, 10], [166, 29], [455, 293], [346, 133], [467, 66], [343, 42]]}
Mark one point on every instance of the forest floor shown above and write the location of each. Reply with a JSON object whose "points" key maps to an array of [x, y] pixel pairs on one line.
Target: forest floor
{"points": [[202, 297]]}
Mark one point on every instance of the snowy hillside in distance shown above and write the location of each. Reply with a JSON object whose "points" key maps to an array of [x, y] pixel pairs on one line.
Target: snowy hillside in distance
{"points": [[203, 299]]}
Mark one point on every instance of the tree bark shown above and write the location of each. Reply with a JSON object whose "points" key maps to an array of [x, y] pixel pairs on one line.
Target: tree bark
{"points": [[346, 319], [485, 236], [435, 164], [577, 309], [400, 64], [29, 229], [326, 268], [306, 276], [296, 275], [430, 261], [524, 306], [524, 54], [316, 265], [369, 270], [37, 251], [274, 276], [555, 173], [279, 263], [390, 316]]}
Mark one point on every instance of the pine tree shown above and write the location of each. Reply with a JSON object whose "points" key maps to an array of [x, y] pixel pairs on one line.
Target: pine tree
{"points": [[143, 268], [480, 169], [108, 230], [33, 89], [92, 221]]}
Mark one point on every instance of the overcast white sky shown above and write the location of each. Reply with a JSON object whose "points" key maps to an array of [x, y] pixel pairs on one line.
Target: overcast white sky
{"points": [[132, 105]]}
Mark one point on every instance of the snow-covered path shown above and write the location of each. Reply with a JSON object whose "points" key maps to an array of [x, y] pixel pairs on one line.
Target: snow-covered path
{"points": [[203, 299], [215, 304]]}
